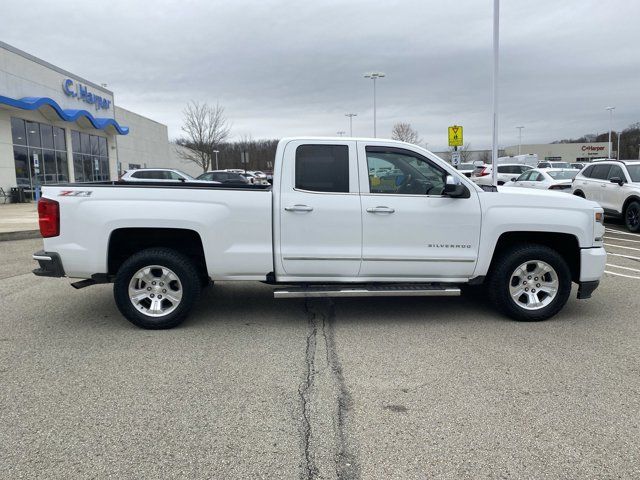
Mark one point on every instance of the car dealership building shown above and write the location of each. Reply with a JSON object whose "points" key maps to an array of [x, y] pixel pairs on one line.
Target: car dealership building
{"points": [[57, 127]]}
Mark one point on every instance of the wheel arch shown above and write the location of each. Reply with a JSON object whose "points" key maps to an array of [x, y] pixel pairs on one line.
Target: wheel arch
{"points": [[629, 199], [125, 242], [579, 193], [565, 244]]}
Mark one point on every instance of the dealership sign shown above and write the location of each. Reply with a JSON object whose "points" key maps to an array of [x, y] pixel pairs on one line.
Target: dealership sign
{"points": [[81, 92], [592, 148]]}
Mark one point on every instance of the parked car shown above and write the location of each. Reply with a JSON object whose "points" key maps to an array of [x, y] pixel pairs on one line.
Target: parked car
{"points": [[547, 164], [466, 169], [155, 175], [615, 185], [225, 177], [506, 171], [546, 179], [328, 230]]}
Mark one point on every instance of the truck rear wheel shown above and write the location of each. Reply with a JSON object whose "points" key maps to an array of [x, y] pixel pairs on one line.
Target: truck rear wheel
{"points": [[530, 283], [156, 288]]}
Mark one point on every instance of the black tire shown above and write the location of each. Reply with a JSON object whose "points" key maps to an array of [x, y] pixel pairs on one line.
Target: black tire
{"points": [[180, 265], [632, 216], [500, 280]]}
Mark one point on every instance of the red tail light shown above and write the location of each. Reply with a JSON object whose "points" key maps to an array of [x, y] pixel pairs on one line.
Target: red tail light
{"points": [[483, 172], [49, 217]]}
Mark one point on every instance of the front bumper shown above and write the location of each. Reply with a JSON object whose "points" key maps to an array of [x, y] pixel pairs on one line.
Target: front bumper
{"points": [[592, 264], [585, 289], [50, 264]]}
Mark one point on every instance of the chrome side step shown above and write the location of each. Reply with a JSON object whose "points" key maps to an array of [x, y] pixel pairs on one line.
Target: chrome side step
{"points": [[369, 290]]}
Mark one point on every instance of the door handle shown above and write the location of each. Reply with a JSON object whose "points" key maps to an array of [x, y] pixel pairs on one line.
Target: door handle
{"points": [[380, 209], [299, 208]]}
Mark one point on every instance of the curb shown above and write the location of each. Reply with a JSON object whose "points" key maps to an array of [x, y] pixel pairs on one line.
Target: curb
{"points": [[21, 235]]}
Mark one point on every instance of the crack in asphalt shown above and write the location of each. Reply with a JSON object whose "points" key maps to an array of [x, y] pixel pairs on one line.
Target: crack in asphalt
{"points": [[328, 452]]}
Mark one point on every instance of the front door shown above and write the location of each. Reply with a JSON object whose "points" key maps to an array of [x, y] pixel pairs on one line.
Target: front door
{"points": [[410, 229], [320, 228]]}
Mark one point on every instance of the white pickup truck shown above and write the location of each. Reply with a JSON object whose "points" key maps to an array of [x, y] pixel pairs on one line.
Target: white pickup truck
{"points": [[345, 217]]}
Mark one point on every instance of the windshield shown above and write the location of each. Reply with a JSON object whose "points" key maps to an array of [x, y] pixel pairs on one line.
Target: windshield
{"points": [[634, 172], [563, 175]]}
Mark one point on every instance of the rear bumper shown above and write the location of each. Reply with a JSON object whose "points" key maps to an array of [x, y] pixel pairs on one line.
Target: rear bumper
{"points": [[50, 264]]}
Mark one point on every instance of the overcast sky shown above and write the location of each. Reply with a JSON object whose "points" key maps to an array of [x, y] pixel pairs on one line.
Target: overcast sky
{"points": [[296, 67]]}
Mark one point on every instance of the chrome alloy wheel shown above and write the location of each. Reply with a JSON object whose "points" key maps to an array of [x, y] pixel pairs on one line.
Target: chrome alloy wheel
{"points": [[534, 285], [155, 291]]}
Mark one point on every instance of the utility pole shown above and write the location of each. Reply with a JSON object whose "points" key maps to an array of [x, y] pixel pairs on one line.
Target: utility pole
{"points": [[351, 115], [496, 58], [216, 152], [618, 149], [519, 139], [611, 109], [374, 76]]}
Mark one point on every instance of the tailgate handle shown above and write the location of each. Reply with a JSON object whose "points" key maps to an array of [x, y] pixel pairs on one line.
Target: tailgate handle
{"points": [[380, 209], [299, 208]]}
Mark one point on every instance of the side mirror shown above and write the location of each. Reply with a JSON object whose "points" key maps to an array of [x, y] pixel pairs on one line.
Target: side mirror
{"points": [[617, 180], [513, 179], [454, 188]]}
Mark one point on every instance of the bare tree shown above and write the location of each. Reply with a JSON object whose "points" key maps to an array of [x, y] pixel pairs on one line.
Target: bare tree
{"points": [[405, 133], [485, 157], [205, 127], [465, 153]]}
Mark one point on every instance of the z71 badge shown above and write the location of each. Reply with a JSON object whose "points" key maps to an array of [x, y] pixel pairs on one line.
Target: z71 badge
{"points": [[75, 193]]}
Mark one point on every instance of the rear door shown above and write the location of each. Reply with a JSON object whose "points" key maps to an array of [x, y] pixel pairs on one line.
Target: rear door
{"points": [[320, 228], [410, 230], [614, 194]]}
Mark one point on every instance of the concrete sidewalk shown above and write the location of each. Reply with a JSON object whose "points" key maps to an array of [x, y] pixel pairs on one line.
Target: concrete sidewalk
{"points": [[18, 221]]}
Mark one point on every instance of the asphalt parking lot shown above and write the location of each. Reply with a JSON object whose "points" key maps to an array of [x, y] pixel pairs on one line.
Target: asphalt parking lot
{"points": [[252, 387]]}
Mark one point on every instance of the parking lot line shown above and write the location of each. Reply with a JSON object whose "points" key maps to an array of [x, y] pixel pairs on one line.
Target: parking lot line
{"points": [[621, 275], [624, 256], [623, 239], [621, 232], [620, 266], [621, 246]]}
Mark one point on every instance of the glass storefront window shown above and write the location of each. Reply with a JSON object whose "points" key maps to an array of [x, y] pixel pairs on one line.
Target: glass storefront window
{"points": [[59, 140], [18, 131], [33, 134], [42, 145], [90, 157]]}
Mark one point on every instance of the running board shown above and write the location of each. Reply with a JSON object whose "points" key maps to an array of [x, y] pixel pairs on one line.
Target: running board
{"points": [[372, 290]]}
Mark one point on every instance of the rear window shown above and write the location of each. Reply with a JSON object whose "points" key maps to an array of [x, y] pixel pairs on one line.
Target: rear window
{"points": [[564, 175], [601, 172], [322, 168], [634, 172]]}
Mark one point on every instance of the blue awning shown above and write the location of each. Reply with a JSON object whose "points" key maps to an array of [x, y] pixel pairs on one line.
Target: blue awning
{"points": [[35, 103]]}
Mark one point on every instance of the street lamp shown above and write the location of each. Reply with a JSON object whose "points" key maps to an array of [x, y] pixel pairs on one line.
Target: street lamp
{"points": [[374, 76], [519, 138], [341, 133], [611, 109], [216, 152], [496, 58], [351, 115]]}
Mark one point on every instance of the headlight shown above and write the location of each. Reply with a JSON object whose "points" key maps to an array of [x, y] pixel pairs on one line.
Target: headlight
{"points": [[598, 226]]}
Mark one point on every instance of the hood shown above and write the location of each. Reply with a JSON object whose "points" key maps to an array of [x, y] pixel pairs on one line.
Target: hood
{"points": [[543, 198]]}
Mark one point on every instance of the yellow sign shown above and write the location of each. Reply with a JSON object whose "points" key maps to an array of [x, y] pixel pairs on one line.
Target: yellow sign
{"points": [[455, 136]]}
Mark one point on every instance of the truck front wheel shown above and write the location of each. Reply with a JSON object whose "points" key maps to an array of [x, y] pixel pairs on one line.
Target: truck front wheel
{"points": [[156, 288], [530, 283]]}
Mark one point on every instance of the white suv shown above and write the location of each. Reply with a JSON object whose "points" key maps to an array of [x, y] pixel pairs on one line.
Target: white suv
{"points": [[506, 173], [615, 185]]}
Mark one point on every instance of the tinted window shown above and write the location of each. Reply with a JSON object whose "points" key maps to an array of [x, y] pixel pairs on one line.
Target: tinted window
{"points": [[588, 171], [563, 175], [59, 142], [600, 172], [18, 131], [536, 177], [33, 134], [524, 177], [404, 173], [634, 172], [509, 169], [616, 171], [46, 132], [322, 168]]}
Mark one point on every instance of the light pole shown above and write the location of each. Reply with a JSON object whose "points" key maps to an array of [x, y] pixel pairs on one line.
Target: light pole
{"points": [[611, 109], [519, 139], [374, 76], [216, 152], [341, 133], [496, 58], [351, 115]]}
